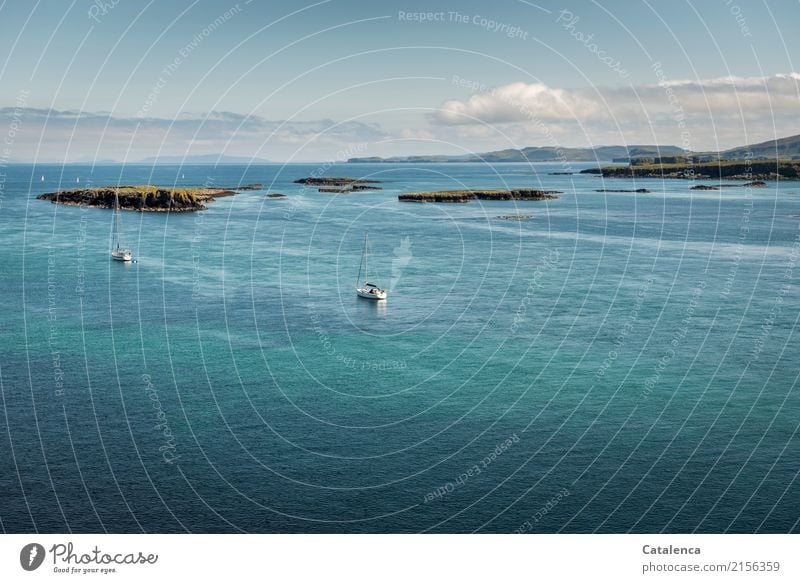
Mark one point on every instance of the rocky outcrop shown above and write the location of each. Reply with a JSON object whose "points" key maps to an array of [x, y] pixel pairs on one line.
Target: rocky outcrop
{"points": [[470, 195], [754, 184], [337, 184], [643, 190], [348, 188], [334, 181], [276, 195]]}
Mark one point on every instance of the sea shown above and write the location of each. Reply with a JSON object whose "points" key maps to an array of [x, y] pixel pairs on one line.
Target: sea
{"points": [[611, 362]]}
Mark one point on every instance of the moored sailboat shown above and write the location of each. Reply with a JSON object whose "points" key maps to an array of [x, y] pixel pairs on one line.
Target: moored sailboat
{"points": [[369, 290], [118, 250]]}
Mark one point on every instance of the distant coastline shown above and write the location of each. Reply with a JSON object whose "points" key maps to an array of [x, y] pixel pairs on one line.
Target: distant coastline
{"points": [[787, 148], [728, 170]]}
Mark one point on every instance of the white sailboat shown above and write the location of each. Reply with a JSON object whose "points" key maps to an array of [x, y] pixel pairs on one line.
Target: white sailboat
{"points": [[118, 250], [369, 290]]}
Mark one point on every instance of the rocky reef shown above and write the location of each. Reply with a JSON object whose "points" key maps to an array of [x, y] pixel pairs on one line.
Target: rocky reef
{"points": [[753, 184], [642, 190], [141, 198], [353, 188], [470, 195], [334, 181], [337, 184]]}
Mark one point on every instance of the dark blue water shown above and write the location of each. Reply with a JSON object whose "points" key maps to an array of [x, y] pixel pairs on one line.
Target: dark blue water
{"points": [[621, 362]]}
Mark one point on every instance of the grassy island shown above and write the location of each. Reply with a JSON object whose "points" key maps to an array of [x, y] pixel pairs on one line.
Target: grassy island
{"points": [[142, 198]]}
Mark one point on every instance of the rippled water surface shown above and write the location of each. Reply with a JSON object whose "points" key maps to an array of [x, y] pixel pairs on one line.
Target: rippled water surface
{"points": [[619, 362]]}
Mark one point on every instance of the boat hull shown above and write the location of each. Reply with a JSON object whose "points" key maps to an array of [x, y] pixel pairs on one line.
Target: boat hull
{"points": [[121, 255], [368, 295]]}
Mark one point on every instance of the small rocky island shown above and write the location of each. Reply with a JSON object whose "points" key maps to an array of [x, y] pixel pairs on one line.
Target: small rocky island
{"points": [[143, 198], [470, 195], [334, 181], [642, 190], [754, 184], [339, 183]]}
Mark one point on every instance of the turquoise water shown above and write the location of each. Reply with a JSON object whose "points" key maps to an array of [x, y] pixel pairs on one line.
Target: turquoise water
{"points": [[620, 362]]}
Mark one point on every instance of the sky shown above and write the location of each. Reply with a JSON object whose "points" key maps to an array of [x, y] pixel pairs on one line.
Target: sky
{"points": [[93, 80]]}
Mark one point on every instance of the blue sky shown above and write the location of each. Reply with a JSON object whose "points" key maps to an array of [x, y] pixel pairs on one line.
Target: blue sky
{"points": [[304, 81]]}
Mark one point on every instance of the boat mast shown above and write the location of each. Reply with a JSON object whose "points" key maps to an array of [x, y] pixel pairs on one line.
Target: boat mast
{"points": [[366, 259], [117, 225], [361, 263]]}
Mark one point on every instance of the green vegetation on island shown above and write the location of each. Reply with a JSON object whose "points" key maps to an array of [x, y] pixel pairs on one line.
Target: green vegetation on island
{"points": [[469, 195]]}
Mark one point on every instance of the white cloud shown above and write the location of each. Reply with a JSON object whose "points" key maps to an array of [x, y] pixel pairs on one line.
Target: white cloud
{"points": [[706, 97], [727, 110], [518, 102]]}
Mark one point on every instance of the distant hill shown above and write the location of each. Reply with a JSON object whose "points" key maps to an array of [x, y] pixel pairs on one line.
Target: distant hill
{"points": [[203, 159], [787, 148], [539, 154], [784, 148]]}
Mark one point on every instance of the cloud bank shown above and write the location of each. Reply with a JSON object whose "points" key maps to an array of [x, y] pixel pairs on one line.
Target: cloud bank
{"points": [[49, 134]]}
